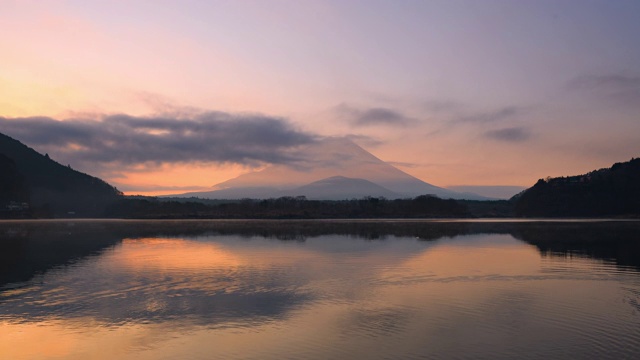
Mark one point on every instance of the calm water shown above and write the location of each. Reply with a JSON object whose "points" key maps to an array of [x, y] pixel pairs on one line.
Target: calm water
{"points": [[319, 290]]}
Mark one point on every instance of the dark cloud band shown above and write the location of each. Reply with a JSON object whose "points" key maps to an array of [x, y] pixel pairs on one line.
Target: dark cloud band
{"points": [[127, 140]]}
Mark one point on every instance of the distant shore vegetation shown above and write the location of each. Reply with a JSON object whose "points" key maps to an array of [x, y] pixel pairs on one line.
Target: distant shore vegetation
{"points": [[33, 186]]}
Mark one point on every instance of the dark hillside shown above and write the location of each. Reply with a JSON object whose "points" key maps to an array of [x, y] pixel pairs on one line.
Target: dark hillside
{"points": [[53, 189], [613, 191], [12, 183]]}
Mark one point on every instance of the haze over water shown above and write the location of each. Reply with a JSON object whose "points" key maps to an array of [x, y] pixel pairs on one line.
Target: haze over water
{"points": [[317, 290]]}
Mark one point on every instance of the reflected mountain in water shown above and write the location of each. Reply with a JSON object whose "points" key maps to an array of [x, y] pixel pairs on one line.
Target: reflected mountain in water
{"points": [[319, 289], [618, 243], [29, 248]]}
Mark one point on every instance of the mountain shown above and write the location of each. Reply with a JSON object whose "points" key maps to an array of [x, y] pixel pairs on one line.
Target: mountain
{"points": [[12, 183], [47, 186], [611, 191], [340, 188], [327, 158], [332, 188]]}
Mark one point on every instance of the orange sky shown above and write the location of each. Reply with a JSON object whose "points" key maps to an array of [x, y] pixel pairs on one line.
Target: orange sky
{"points": [[455, 95]]}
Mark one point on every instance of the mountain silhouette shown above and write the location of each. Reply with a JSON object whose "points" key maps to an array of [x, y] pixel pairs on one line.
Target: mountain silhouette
{"points": [[340, 188], [47, 186], [327, 158], [611, 191]]}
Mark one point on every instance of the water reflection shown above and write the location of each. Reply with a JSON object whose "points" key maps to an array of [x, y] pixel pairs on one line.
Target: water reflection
{"points": [[300, 289], [30, 248]]}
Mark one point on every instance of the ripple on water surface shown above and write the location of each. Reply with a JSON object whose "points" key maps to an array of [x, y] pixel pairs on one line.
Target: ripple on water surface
{"points": [[324, 296]]}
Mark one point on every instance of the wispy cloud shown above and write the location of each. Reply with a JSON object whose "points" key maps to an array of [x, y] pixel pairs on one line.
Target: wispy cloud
{"points": [[373, 116], [610, 81], [153, 187], [365, 140], [403, 164], [129, 140], [622, 89], [510, 134], [452, 116], [505, 113]]}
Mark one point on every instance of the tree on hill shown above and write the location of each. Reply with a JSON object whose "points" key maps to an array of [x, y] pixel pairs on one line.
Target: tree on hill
{"points": [[606, 192], [12, 183], [53, 186]]}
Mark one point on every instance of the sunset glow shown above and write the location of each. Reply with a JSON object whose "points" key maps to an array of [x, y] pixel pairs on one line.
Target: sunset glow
{"points": [[452, 92]]}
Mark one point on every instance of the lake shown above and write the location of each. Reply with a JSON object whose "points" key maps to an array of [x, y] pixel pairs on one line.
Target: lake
{"points": [[319, 289]]}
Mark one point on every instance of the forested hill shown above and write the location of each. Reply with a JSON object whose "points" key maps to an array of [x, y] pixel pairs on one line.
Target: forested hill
{"points": [[50, 189], [12, 183], [613, 191]]}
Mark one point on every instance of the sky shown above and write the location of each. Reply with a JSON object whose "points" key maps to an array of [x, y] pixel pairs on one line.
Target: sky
{"points": [[162, 97]]}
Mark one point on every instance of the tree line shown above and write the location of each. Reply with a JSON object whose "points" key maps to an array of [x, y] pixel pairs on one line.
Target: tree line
{"points": [[425, 206]]}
